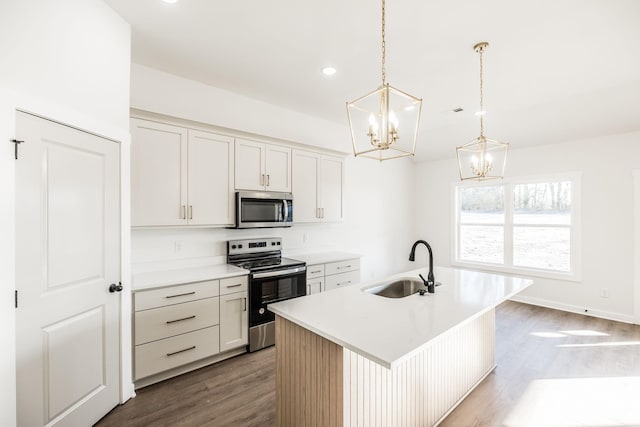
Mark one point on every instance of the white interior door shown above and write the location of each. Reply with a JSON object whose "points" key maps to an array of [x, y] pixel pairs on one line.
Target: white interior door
{"points": [[67, 255]]}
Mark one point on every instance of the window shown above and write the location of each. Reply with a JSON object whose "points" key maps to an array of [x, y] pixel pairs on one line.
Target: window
{"points": [[519, 225]]}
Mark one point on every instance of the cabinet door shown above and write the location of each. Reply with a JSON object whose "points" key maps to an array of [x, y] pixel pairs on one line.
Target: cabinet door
{"points": [[158, 174], [331, 188], [278, 168], [305, 171], [249, 165], [234, 321], [210, 179], [315, 286]]}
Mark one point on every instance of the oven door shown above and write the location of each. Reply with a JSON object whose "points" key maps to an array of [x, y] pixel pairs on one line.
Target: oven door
{"points": [[273, 286], [263, 209]]}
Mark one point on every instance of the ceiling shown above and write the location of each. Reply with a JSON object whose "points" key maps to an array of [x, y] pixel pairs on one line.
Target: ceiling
{"points": [[554, 70]]}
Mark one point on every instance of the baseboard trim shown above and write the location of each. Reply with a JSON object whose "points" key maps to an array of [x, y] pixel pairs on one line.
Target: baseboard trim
{"points": [[626, 318]]}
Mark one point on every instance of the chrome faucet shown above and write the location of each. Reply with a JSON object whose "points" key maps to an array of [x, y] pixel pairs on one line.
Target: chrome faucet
{"points": [[430, 283]]}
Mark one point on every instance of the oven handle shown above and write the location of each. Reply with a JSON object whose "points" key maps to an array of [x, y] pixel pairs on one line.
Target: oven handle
{"points": [[279, 272], [285, 214]]}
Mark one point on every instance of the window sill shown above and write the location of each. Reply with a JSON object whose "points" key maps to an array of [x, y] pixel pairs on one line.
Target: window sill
{"points": [[529, 272]]}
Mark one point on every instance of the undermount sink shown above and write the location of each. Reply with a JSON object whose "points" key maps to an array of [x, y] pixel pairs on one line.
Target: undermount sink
{"points": [[399, 288]]}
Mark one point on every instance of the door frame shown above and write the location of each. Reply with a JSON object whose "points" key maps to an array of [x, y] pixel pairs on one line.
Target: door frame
{"points": [[636, 246], [10, 103]]}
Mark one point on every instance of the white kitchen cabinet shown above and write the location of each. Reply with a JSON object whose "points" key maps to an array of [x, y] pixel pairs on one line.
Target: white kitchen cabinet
{"points": [[234, 320], [260, 166], [183, 327], [180, 176], [332, 275], [317, 187]]}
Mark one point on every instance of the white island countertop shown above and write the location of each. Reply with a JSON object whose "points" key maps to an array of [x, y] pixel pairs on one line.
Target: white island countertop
{"points": [[388, 330]]}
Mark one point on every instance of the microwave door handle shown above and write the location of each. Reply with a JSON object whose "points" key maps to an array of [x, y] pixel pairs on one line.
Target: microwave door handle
{"points": [[285, 214]]}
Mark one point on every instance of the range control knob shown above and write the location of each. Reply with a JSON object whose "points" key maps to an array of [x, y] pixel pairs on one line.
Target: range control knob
{"points": [[261, 311], [233, 246]]}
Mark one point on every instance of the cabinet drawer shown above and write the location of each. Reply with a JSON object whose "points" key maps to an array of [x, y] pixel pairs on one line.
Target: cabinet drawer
{"points": [[342, 266], [314, 271], [163, 322], [315, 286], [340, 280], [172, 352], [145, 300], [233, 284]]}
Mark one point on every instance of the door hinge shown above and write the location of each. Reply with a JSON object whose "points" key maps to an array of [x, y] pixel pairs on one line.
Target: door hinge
{"points": [[16, 298], [15, 143]]}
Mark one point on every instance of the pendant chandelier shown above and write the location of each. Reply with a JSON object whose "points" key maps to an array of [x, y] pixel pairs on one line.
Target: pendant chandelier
{"points": [[482, 158], [384, 123]]}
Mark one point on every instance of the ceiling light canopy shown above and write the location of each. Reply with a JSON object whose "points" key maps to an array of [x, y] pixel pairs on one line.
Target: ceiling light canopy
{"points": [[384, 123], [483, 158]]}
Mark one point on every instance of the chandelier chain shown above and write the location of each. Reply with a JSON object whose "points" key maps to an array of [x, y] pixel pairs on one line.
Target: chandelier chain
{"points": [[481, 97], [384, 46]]}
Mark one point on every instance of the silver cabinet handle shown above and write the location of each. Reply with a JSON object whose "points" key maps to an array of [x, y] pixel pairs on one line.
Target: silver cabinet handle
{"points": [[181, 295], [308, 289], [262, 179], [184, 214], [190, 211], [234, 286], [321, 212], [314, 272], [245, 304], [268, 180], [317, 212], [343, 283], [180, 320], [193, 347], [346, 266]]}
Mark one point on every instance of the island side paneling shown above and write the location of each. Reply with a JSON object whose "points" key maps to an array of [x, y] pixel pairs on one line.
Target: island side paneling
{"points": [[423, 388], [319, 383], [309, 378]]}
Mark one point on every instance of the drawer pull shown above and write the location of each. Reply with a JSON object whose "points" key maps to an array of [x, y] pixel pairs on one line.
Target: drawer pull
{"points": [[181, 295], [234, 286], [343, 283], [180, 320], [193, 347], [245, 304], [315, 272], [346, 266]]}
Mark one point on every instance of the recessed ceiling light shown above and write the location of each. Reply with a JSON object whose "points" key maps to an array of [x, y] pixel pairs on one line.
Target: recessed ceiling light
{"points": [[170, 1], [328, 71]]}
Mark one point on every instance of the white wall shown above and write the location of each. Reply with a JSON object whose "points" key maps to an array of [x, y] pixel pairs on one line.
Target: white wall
{"points": [[378, 196], [67, 60], [606, 166]]}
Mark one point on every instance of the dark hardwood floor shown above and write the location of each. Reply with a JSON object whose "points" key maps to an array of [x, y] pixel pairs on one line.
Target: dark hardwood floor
{"points": [[554, 368]]}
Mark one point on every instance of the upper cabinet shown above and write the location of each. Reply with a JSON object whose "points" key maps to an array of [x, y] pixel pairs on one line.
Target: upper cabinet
{"points": [[260, 166], [180, 176], [318, 187]]}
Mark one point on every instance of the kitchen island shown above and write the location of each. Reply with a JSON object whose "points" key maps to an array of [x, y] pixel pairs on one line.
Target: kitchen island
{"points": [[352, 358]]}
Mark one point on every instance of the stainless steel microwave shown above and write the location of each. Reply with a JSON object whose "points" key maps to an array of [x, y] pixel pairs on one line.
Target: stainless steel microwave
{"points": [[261, 209]]}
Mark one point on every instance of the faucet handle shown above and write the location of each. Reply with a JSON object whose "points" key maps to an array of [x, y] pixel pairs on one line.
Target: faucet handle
{"points": [[423, 279]]}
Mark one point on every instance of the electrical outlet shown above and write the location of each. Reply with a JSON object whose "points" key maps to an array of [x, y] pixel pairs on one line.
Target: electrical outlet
{"points": [[604, 293], [178, 245]]}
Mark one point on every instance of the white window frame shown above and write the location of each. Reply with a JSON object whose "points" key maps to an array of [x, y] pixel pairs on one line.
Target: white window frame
{"points": [[575, 267]]}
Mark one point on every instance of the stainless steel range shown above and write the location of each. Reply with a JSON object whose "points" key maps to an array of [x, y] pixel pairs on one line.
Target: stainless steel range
{"points": [[272, 278]]}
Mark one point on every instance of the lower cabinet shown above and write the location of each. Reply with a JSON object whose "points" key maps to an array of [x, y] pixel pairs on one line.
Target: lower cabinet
{"points": [[332, 275], [234, 322], [177, 326]]}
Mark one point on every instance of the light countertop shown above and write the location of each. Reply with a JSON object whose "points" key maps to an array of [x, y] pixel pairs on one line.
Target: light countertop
{"points": [[158, 279], [388, 330], [324, 257]]}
